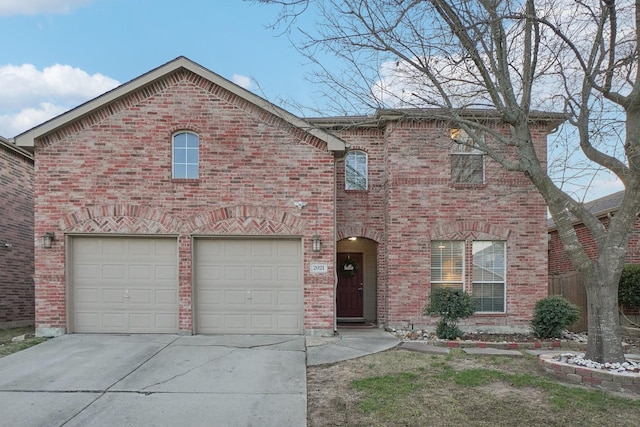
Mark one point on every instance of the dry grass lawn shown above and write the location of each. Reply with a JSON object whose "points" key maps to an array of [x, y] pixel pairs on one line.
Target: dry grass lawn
{"points": [[402, 388]]}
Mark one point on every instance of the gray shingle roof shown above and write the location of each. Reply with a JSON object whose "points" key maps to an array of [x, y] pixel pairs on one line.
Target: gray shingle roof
{"points": [[598, 207]]}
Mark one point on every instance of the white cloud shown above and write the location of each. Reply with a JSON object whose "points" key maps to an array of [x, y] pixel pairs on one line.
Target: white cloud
{"points": [[29, 96], [34, 7], [14, 124], [242, 81]]}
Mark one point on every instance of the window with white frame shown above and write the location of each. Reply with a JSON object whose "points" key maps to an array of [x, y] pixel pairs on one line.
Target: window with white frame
{"points": [[356, 170], [447, 264], [185, 155], [489, 271], [487, 276], [467, 162]]}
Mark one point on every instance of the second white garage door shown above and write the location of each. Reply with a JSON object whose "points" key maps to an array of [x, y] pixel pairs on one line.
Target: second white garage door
{"points": [[248, 286]]}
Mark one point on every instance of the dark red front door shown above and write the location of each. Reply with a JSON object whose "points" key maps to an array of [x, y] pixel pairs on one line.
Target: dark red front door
{"points": [[350, 287]]}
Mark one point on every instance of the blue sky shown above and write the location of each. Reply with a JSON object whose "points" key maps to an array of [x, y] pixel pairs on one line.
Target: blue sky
{"points": [[57, 54]]}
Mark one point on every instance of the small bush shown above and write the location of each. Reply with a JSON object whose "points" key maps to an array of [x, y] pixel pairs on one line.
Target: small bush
{"points": [[629, 287], [552, 315], [451, 305]]}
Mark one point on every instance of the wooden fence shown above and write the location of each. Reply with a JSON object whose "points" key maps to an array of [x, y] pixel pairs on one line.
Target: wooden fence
{"points": [[569, 286]]}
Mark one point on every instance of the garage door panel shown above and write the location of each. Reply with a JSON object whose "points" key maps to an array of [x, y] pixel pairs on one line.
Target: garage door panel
{"points": [[246, 285], [262, 273], [140, 321], [166, 272], [291, 250], [166, 297], [288, 273], [88, 296], [112, 296], [114, 320], [113, 246], [288, 298], [110, 272], [238, 297], [263, 298], [140, 272], [124, 285], [88, 271]]}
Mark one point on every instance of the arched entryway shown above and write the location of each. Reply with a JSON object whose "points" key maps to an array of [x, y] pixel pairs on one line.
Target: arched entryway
{"points": [[356, 293]]}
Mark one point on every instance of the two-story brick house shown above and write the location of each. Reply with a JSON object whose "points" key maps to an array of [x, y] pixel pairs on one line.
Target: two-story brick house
{"points": [[182, 203], [16, 236]]}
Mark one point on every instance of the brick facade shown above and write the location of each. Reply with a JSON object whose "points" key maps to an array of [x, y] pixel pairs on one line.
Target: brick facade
{"points": [[105, 169], [559, 262], [412, 201], [110, 173], [16, 236]]}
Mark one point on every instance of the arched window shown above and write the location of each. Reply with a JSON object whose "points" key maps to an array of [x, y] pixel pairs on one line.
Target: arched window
{"points": [[185, 152], [356, 170]]}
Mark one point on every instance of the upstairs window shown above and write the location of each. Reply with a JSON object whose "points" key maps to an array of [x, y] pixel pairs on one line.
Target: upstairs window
{"points": [[356, 171], [467, 162], [185, 147]]}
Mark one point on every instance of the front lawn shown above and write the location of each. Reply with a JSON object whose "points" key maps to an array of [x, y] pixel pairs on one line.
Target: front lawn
{"points": [[401, 388]]}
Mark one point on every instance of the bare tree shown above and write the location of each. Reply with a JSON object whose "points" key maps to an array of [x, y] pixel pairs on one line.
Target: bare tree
{"points": [[579, 58]]}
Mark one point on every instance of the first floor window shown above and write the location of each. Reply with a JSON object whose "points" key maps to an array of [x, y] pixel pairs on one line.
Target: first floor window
{"points": [[447, 264], [486, 276], [489, 271], [185, 147]]}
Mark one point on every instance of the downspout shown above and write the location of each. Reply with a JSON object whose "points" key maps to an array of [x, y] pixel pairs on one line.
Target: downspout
{"points": [[336, 156]]}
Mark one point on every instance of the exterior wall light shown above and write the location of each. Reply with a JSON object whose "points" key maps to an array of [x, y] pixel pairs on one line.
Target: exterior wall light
{"points": [[316, 243], [47, 239]]}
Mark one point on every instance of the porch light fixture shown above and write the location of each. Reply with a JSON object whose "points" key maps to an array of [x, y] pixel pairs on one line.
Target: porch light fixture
{"points": [[316, 243], [47, 239], [353, 239]]}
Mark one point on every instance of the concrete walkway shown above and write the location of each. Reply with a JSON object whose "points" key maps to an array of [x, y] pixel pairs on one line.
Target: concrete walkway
{"points": [[348, 344]]}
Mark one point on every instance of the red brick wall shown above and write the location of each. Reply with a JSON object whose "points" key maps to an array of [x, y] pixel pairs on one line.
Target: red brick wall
{"points": [[559, 262], [16, 230], [111, 173], [411, 201]]}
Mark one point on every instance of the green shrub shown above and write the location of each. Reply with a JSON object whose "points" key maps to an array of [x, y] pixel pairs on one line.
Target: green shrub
{"points": [[552, 315], [629, 287], [451, 305]]}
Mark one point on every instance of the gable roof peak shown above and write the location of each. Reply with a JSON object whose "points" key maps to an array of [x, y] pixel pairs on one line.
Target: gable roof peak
{"points": [[27, 139]]}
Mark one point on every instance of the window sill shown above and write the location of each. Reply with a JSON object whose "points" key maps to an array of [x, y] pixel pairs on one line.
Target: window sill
{"points": [[356, 191], [185, 181], [490, 313]]}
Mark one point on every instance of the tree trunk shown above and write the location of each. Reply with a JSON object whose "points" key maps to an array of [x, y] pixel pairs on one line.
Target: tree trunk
{"points": [[605, 341]]}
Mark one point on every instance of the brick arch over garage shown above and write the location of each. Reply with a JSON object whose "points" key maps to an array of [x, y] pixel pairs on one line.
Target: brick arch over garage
{"points": [[349, 231], [469, 229], [246, 220], [121, 219]]}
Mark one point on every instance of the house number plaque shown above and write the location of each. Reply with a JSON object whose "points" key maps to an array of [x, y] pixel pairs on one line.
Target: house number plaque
{"points": [[319, 268]]}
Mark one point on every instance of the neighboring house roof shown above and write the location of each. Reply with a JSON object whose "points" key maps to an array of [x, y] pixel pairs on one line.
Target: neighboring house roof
{"points": [[27, 139], [9, 146], [598, 207]]}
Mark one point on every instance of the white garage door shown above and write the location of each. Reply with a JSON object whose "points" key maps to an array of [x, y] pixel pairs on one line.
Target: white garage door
{"points": [[124, 285], [248, 286]]}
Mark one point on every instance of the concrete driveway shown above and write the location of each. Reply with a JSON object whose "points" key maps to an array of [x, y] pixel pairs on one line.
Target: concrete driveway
{"points": [[156, 380]]}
